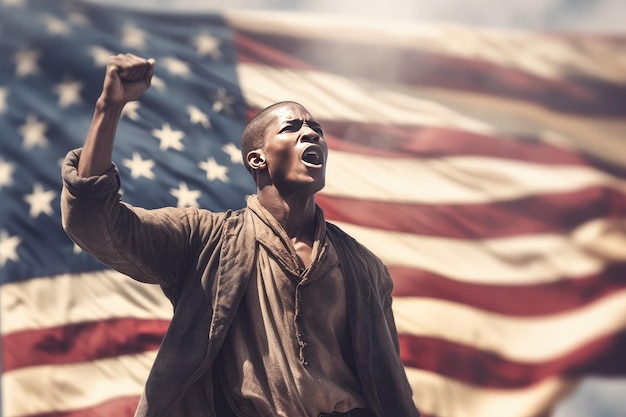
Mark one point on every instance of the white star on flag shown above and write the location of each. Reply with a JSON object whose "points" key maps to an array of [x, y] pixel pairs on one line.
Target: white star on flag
{"points": [[40, 201], [6, 173], [56, 26], [196, 116], [207, 45], [100, 55], [139, 167], [78, 18], [33, 132], [214, 171], [157, 83], [234, 152], [175, 66], [4, 94], [69, 93], [169, 138], [16, 3], [76, 249], [130, 110], [223, 102], [26, 62], [133, 37], [185, 196], [8, 247]]}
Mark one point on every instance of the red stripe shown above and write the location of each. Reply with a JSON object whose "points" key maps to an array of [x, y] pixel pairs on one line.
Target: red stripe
{"points": [[514, 300], [427, 142], [583, 96], [81, 342], [547, 213], [118, 407], [250, 51], [487, 369], [397, 141]]}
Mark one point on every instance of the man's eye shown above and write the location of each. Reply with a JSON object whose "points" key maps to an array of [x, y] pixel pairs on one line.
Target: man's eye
{"points": [[291, 127]]}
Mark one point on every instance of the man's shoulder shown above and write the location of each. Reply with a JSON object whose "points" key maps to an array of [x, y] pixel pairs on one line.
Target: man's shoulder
{"points": [[336, 232], [359, 260], [340, 237]]}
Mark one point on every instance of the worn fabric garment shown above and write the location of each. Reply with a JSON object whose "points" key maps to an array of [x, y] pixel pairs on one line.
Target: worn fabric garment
{"points": [[203, 261], [289, 345]]}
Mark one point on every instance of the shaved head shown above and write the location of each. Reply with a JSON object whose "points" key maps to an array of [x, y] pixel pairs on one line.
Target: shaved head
{"points": [[253, 136]]}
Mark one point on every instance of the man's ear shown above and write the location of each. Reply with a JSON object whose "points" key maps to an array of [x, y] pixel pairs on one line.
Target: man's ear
{"points": [[256, 160]]}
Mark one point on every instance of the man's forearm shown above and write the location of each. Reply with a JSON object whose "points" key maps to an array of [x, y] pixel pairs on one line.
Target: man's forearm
{"points": [[98, 149], [127, 77]]}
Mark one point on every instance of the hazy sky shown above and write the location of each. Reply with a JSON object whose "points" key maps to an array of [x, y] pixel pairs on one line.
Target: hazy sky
{"points": [[587, 15]]}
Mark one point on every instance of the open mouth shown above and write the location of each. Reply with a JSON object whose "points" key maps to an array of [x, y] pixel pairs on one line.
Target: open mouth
{"points": [[313, 156]]}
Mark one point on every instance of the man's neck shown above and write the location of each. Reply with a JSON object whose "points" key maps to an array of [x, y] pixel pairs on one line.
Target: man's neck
{"points": [[296, 214]]}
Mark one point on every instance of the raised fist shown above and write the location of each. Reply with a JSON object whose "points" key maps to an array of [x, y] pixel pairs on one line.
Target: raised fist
{"points": [[127, 77]]}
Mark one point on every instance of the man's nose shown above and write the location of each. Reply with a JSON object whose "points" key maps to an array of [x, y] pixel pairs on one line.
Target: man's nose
{"points": [[308, 134]]}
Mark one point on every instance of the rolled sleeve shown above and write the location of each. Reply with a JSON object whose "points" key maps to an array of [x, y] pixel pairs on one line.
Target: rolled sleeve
{"points": [[88, 187], [147, 245]]}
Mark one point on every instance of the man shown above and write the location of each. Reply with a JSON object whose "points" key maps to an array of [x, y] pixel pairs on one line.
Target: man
{"points": [[276, 312]]}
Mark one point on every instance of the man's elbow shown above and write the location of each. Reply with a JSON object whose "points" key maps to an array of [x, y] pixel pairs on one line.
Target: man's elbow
{"points": [[76, 225]]}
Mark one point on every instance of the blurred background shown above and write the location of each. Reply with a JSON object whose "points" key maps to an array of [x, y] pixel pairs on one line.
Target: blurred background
{"points": [[566, 56], [600, 16]]}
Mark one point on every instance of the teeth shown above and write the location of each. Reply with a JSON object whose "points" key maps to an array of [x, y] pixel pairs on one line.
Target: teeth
{"points": [[312, 157]]}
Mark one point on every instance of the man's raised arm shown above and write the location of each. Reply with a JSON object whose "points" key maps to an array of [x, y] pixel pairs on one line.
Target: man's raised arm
{"points": [[127, 77]]}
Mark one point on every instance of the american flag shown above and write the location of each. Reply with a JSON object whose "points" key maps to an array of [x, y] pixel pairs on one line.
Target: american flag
{"points": [[486, 168]]}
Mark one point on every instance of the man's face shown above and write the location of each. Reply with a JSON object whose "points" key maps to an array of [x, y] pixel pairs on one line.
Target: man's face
{"points": [[295, 151]]}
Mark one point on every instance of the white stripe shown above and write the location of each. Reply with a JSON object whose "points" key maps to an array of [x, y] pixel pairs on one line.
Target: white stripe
{"points": [[518, 260], [604, 238], [444, 397], [69, 299], [334, 97], [50, 388], [108, 294], [593, 135], [453, 180], [542, 55], [521, 339]]}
